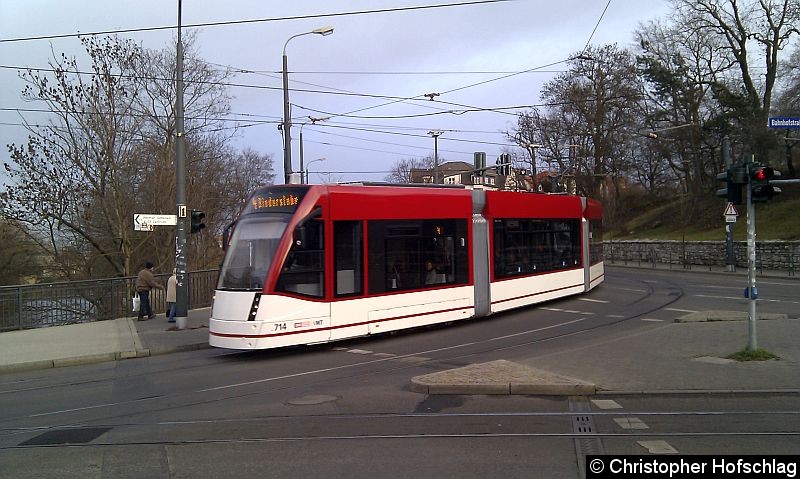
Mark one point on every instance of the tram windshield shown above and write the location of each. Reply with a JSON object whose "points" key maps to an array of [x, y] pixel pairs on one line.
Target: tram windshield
{"points": [[251, 251]]}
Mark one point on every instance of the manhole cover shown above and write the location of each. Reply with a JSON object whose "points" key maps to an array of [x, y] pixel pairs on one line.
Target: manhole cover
{"points": [[66, 436]]}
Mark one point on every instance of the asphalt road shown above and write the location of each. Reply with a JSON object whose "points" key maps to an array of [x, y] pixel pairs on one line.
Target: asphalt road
{"points": [[345, 410]]}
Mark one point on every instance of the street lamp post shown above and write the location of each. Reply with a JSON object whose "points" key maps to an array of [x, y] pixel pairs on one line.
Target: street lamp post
{"points": [[531, 147], [435, 134], [653, 134], [305, 173], [313, 121], [287, 137]]}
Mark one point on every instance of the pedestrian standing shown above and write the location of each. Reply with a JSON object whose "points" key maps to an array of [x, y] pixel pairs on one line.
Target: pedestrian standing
{"points": [[172, 284], [145, 282]]}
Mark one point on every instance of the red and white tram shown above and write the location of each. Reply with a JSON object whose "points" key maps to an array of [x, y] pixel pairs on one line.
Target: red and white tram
{"points": [[316, 263]]}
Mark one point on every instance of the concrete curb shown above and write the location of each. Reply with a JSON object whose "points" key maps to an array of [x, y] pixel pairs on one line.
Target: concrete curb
{"points": [[99, 358], [719, 315], [690, 392], [500, 377]]}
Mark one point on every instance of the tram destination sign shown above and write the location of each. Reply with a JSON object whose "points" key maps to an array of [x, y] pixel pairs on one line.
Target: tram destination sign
{"points": [[145, 222], [280, 199]]}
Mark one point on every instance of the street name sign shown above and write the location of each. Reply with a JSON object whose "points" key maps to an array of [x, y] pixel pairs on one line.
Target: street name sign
{"points": [[784, 122]]}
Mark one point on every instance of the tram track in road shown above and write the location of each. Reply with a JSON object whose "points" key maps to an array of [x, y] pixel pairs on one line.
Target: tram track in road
{"points": [[526, 424], [395, 363]]}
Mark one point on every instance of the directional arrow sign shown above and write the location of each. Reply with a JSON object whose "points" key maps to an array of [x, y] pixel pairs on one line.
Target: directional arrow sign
{"points": [[144, 222]]}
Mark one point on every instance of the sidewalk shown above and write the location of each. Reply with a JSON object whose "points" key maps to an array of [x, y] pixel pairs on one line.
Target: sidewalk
{"points": [[100, 341]]}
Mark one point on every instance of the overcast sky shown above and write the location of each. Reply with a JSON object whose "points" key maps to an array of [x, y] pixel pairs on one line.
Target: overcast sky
{"points": [[402, 54]]}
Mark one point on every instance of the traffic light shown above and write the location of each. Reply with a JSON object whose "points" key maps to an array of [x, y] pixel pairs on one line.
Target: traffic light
{"points": [[504, 164], [197, 221], [480, 163], [760, 188], [735, 178]]}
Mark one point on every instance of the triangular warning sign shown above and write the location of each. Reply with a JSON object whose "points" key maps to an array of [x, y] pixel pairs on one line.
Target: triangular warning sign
{"points": [[730, 210]]}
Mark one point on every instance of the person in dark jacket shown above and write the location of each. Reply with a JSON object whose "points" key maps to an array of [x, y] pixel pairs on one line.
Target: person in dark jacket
{"points": [[145, 282]]}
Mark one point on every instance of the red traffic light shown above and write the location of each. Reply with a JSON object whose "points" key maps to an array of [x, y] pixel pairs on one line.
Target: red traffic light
{"points": [[762, 173]]}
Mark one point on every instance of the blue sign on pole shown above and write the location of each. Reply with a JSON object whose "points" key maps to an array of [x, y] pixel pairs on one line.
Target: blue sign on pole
{"points": [[784, 122]]}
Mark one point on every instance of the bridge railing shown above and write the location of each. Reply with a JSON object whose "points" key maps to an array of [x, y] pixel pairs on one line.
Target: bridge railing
{"points": [[56, 304]]}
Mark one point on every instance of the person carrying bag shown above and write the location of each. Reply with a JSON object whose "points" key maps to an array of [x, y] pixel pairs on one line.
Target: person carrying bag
{"points": [[145, 282]]}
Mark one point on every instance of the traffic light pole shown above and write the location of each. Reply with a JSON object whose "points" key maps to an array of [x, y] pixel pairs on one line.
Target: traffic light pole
{"points": [[730, 255], [752, 292], [757, 178], [182, 287]]}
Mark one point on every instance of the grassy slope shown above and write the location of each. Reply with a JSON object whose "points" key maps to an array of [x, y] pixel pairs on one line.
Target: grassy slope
{"points": [[778, 219]]}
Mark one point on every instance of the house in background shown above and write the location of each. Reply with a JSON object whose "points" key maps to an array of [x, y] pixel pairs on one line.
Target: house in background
{"points": [[459, 173]]}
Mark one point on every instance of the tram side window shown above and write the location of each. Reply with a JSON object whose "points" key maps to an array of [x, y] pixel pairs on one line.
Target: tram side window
{"points": [[348, 257], [525, 246], [304, 270], [416, 254], [596, 241]]}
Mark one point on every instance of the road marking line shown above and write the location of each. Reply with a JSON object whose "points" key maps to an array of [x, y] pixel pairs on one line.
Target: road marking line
{"points": [[537, 330], [359, 351], [615, 316], [653, 320], [717, 297], [385, 355], [625, 289], [680, 310], [414, 359], [593, 300], [630, 423], [335, 368], [743, 298], [570, 311], [606, 404], [658, 447]]}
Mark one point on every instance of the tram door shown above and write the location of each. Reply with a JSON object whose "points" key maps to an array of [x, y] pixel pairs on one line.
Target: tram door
{"points": [[348, 279], [303, 275]]}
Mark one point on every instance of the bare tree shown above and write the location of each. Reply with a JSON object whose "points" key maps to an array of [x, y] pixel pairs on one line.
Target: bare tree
{"points": [[753, 32], [591, 109], [108, 153], [403, 169], [239, 174], [19, 256], [77, 176], [680, 68], [789, 105]]}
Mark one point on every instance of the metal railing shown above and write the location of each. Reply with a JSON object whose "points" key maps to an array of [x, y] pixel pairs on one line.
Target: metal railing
{"points": [[651, 257], [56, 304]]}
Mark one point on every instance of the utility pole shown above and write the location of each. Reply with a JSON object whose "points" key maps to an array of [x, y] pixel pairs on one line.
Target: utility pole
{"points": [[181, 273], [435, 134], [287, 126]]}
